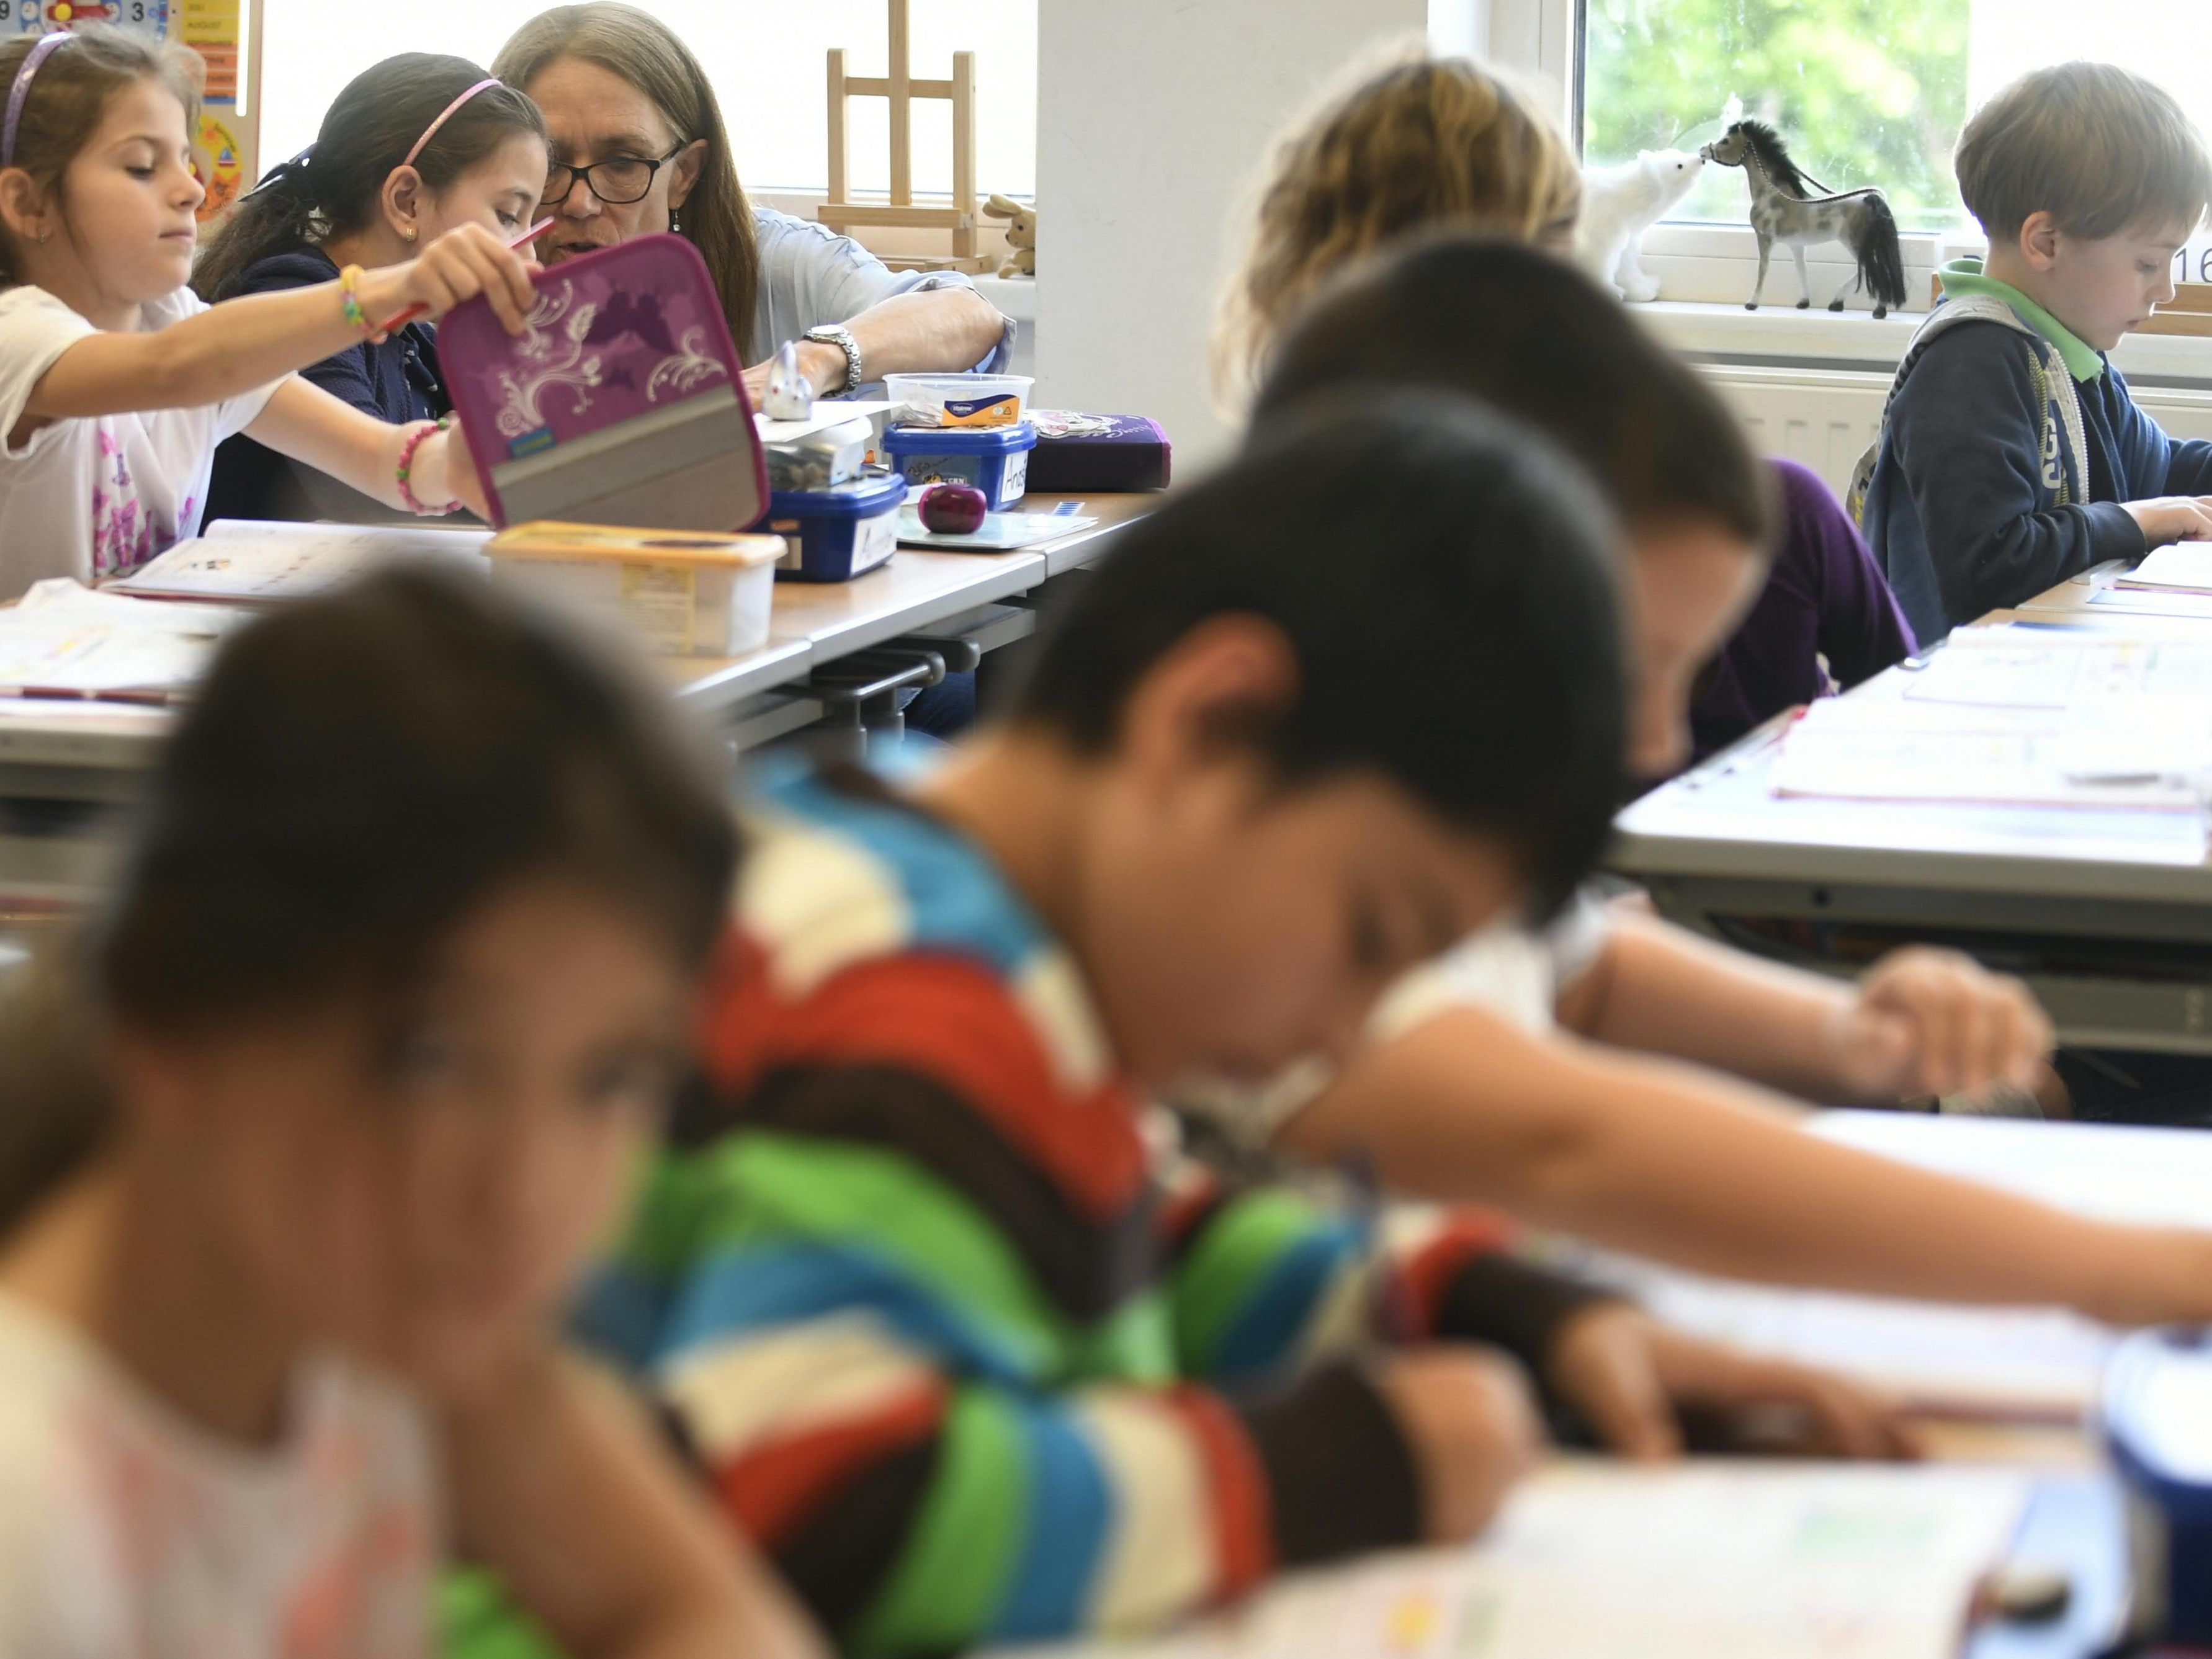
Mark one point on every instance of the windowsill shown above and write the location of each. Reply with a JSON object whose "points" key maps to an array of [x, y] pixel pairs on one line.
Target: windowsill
{"points": [[1854, 340]]}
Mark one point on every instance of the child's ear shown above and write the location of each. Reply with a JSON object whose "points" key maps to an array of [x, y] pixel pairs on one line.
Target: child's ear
{"points": [[685, 171], [1217, 690], [2038, 241], [403, 202], [25, 209]]}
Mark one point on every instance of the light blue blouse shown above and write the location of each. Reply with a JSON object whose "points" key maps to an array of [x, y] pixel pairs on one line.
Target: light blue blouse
{"points": [[810, 275]]}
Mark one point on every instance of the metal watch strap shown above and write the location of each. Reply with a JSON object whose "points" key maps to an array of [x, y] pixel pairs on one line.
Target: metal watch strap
{"points": [[833, 334]]}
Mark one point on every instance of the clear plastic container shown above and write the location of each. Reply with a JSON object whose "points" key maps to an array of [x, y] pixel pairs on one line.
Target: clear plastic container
{"points": [[957, 400]]}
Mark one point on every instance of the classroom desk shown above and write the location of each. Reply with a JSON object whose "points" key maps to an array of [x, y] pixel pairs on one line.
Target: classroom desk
{"points": [[65, 767], [2107, 914]]}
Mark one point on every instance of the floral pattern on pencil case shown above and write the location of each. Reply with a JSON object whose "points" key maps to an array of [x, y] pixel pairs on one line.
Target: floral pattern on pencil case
{"points": [[618, 334]]}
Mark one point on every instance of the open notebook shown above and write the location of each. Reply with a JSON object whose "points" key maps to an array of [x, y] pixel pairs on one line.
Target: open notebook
{"points": [[1713, 1560], [258, 561], [63, 640]]}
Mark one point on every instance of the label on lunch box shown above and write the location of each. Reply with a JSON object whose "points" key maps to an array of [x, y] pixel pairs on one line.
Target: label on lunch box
{"points": [[662, 601], [1001, 409], [874, 540]]}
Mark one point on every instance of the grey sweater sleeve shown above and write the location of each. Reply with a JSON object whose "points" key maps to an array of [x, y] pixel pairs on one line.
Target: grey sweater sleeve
{"points": [[1966, 427]]}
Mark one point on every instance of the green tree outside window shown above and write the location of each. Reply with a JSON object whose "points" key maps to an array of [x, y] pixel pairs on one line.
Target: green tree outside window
{"points": [[1865, 91]]}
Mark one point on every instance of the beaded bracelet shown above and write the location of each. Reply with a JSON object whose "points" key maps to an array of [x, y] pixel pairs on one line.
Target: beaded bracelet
{"points": [[350, 302], [414, 442]]}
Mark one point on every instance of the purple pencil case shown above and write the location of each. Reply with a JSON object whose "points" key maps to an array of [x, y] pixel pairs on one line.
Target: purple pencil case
{"points": [[1076, 453], [622, 404]]}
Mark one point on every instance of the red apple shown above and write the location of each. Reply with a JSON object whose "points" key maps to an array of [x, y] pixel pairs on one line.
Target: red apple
{"points": [[952, 509]]}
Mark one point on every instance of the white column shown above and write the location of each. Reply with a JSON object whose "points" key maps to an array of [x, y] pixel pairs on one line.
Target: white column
{"points": [[1153, 120]]}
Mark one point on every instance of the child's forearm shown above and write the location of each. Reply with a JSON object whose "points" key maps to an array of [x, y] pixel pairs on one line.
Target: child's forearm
{"points": [[1652, 1157], [1663, 989], [306, 422], [220, 352]]}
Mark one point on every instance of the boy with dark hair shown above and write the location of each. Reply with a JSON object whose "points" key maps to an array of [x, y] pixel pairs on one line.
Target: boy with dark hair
{"points": [[2012, 455], [951, 1332]]}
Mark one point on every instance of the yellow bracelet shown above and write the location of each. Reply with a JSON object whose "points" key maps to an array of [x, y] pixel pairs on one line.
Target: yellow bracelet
{"points": [[349, 301]]}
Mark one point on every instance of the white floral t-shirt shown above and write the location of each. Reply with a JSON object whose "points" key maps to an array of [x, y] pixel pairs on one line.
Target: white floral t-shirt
{"points": [[126, 1533], [96, 497]]}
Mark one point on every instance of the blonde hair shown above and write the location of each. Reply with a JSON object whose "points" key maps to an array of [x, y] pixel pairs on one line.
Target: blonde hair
{"points": [[1426, 144], [70, 94]]}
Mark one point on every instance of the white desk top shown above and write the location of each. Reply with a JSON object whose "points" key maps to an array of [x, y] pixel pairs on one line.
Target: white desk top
{"points": [[1720, 820]]}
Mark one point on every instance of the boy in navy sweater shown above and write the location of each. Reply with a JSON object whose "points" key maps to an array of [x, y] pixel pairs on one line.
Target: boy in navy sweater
{"points": [[2012, 455]]}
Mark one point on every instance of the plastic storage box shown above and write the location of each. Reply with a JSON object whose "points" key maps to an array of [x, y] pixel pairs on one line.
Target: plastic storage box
{"points": [[2157, 1412], [957, 400], [836, 534], [679, 592], [995, 460]]}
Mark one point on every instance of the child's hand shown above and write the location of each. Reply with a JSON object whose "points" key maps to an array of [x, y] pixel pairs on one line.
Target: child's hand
{"points": [[2172, 519], [1630, 1376], [1930, 1022], [1472, 1427], [465, 262]]}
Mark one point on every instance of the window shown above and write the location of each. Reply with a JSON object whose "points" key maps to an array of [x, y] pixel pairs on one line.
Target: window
{"points": [[766, 58], [1866, 92]]}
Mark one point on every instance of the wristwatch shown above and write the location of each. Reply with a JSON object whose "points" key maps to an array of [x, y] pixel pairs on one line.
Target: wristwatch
{"points": [[842, 337]]}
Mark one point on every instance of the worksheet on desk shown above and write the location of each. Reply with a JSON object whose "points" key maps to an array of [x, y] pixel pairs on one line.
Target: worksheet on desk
{"points": [[256, 561], [2039, 1363], [2140, 753], [2043, 668], [65, 639], [1699, 1561]]}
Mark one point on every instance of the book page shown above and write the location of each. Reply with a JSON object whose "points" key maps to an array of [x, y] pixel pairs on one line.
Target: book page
{"points": [[62, 639], [2186, 566], [2038, 1362], [255, 561], [1695, 1561]]}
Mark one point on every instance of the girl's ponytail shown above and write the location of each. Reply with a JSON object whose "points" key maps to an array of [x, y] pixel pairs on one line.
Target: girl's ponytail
{"points": [[276, 216]]}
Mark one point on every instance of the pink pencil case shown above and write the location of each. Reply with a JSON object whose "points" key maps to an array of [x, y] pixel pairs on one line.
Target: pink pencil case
{"points": [[623, 403]]}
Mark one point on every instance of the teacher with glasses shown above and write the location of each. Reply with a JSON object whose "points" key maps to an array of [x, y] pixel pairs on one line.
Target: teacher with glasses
{"points": [[638, 147]]}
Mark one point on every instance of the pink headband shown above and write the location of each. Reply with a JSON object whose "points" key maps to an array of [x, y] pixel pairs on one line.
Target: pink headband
{"points": [[444, 116], [21, 91]]}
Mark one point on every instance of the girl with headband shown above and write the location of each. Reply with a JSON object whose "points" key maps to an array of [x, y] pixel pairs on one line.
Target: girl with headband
{"points": [[117, 382], [412, 148]]}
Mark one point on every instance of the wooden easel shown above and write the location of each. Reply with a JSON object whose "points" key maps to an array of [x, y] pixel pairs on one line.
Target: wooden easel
{"points": [[840, 213]]}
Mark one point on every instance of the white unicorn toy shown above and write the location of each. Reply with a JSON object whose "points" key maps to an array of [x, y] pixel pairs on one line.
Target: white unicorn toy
{"points": [[1619, 203]]}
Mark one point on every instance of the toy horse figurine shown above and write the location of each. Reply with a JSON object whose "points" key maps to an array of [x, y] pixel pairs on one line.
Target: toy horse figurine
{"points": [[1784, 210]]}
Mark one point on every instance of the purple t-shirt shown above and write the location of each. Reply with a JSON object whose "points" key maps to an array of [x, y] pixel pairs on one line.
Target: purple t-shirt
{"points": [[1825, 599]]}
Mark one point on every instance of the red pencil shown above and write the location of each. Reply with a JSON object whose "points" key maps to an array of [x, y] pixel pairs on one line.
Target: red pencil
{"points": [[401, 318]]}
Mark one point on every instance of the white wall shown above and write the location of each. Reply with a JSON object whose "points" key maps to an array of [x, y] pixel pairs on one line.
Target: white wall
{"points": [[1153, 117]]}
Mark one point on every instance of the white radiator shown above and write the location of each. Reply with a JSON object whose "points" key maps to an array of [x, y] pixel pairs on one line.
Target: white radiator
{"points": [[1825, 417]]}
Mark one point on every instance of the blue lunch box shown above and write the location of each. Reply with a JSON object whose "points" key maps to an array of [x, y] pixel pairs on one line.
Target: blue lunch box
{"points": [[836, 534], [994, 458], [2157, 1412]]}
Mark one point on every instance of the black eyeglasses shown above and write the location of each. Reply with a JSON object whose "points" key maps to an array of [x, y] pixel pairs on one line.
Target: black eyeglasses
{"points": [[618, 181]]}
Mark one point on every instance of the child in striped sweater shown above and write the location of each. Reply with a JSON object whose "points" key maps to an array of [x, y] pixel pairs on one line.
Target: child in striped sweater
{"points": [[949, 1326]]}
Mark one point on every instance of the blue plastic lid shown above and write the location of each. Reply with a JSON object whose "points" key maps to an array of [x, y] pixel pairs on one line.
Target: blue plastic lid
{"points": [[2157, 1412], [863, 497], [960, 440]]}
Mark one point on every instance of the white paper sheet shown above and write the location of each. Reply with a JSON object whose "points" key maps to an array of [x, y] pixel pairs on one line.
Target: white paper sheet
{"points": [[255, 561], [2185, 566], [2024, 668], [2129, 754], [1605, 1561], [2041, 1363], [62, 639]]}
